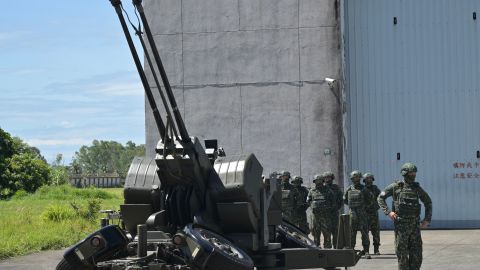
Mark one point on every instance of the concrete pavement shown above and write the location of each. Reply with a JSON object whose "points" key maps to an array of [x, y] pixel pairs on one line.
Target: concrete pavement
{"points": [[443, 250]]}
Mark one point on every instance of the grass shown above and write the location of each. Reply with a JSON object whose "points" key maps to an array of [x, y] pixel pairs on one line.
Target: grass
{"points": [[52, 218]]}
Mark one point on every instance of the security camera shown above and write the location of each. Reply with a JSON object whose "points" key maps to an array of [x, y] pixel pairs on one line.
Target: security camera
{"points": [[330, 81]]}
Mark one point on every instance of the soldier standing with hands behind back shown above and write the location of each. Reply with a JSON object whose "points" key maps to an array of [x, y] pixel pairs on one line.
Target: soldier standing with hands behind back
{"points": [[372, 210], [406, 216], [320, 199], [287, 196], [299, 214], [337, 204], [356, 198]]}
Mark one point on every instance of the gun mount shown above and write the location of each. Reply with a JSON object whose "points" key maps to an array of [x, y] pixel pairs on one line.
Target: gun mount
{"points": [[193, 207]]}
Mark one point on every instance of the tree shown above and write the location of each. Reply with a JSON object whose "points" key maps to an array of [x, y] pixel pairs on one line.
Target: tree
{"points": [[106, 157], [58, 173], [21, 166], [27, 172]]}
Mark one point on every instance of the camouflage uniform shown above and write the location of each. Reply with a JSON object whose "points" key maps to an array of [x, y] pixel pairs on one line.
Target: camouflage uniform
{"points": [[321, 200], [372, 210], [287, 196], [355, 197], [337, 205], [299, 197], [406, 195]]}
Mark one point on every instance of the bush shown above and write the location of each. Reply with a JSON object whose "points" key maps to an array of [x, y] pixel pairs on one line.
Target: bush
{"points": [[58, 176], [20, 194], [88, 212], [25, 171], [67, 192], [58, 213]]}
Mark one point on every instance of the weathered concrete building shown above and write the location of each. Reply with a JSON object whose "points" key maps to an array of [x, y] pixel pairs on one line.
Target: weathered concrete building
{"points": [[252, 75]]}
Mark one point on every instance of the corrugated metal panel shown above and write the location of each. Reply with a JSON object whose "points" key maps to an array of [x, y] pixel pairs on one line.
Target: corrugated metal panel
{"points": [[413, 88]]}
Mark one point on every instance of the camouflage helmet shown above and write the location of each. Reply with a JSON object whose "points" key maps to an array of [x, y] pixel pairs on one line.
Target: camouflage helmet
{"points": [[318, 177], [285, 173], [366, 175], [355, 173], [328, 174], [297, 179], [408, 167]]}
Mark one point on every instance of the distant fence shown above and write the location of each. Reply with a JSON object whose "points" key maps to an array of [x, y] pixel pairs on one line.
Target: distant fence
{"points": [[97, 181]]}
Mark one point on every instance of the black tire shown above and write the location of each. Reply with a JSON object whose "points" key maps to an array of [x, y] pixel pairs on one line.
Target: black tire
{"points": [[64, 265], [292, 237], [220, 253]]}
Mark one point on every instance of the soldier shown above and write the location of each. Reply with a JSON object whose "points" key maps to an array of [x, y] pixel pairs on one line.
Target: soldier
{"points": [[321, 200], [372, 210], [406, 216], [337, 204], [299, 214], [287, 197], [355, 197]]}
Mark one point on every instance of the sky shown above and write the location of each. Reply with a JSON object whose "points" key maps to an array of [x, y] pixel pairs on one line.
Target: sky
{"points": [[67, 76]]}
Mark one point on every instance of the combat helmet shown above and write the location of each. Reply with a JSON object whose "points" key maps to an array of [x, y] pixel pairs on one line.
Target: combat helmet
{"points": [[408, 167], [285, 173], [318, 177], [328, 174], [297, 180], [368, 174], [355, 173]]}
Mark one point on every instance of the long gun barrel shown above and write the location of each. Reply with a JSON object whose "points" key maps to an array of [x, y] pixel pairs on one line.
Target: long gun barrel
{"points": [[148, 92], [178, 117]]}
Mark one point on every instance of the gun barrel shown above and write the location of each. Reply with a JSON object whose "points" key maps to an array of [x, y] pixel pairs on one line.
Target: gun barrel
{"points": [[148, 92], [178, 117]]}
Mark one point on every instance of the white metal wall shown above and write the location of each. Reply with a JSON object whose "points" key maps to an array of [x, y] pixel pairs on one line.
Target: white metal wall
{"points": [[413, 89]]}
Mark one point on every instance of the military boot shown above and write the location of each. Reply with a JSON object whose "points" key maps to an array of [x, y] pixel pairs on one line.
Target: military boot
{"points": [[375, 250], [366, 253]]}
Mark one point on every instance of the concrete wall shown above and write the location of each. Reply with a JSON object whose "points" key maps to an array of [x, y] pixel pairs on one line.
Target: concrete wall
{"points": [[250, 73]]}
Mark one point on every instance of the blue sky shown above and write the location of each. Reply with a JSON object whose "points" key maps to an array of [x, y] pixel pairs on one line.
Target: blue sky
{"points": [[67, 76]]}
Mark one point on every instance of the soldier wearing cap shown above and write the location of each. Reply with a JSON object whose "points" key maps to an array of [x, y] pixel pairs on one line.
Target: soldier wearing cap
{"points": [[321, 200]]}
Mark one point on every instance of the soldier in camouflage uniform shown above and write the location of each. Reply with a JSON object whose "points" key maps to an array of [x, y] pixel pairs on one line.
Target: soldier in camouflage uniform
{"points": [[321, 200], [356, 199], [407, 195], [287, 196], [299, 214], [337, 205], [372, 210]]}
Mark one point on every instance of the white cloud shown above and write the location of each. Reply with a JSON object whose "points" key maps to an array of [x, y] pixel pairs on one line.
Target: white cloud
{"points": [[54, 142], [120, 89], [66, 124], [6, 36]]}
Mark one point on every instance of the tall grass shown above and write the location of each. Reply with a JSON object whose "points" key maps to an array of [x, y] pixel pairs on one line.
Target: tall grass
{"points": [[52, 218]]}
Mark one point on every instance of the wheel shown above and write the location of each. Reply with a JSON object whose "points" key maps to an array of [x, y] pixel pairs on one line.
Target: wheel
{"points": [[292, 237], [64, 265], [215, 252]]}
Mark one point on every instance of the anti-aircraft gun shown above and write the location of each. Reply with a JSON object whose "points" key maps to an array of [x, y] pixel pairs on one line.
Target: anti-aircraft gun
{"points": [[193, 207]]}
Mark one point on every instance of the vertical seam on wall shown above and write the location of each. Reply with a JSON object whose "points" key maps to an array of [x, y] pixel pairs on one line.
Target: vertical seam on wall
{"points": [[241, 120], [238, 9], [299, 87], [183, 55]]}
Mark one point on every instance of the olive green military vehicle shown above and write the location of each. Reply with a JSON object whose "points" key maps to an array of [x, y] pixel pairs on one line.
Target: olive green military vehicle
{"points": [[193, 207]]}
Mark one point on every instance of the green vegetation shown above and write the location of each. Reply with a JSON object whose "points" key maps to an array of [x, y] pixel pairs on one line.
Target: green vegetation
{"points": [[54, 217], [22, 167], [106, 157]]}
